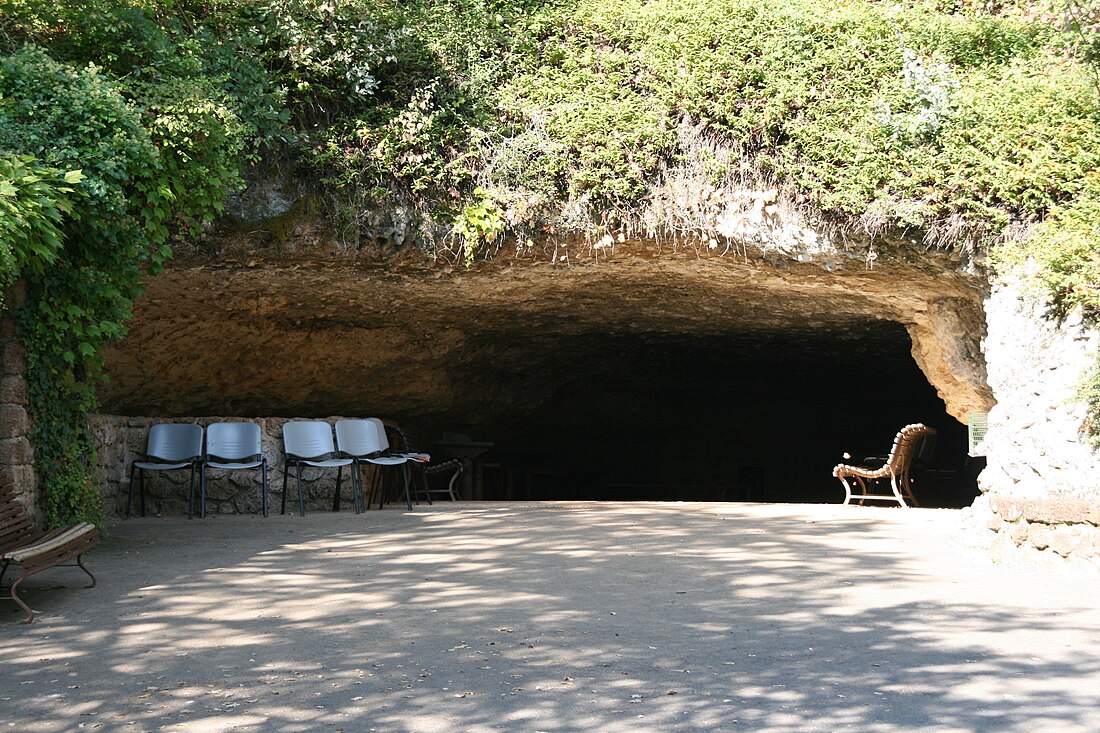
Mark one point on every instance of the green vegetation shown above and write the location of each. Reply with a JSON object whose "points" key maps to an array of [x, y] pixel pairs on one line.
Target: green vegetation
{"points": [[124, 125]]}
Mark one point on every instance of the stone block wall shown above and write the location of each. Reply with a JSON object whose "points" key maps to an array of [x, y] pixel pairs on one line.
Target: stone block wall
{"points": [[1041, 489], [121, 440], [1058, 532], [16, 454]]}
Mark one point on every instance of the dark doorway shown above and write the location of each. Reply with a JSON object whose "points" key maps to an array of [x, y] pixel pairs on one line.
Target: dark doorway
{"points": [[760, 415]]}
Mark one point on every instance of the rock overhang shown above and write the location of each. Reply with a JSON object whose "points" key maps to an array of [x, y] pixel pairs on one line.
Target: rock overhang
{"points": [[313, 335]]}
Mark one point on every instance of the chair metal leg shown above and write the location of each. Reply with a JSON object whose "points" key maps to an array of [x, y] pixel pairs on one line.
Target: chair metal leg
{"points": [[336, 499], [363, 506], [354, 490], [379, 486], [408, 495], [191, 494], [364, 502], [301, 501], [384, 485], [141, 480], [263, 469], [202, 496], [356, 487], [286, 467], [130, 500]]}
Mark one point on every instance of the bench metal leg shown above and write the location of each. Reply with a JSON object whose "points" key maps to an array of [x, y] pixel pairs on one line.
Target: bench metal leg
{"points": [[30, 612], [80, 563], [19, 602]]}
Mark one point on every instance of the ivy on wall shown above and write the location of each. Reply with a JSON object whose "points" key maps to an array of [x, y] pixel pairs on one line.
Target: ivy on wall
{"points": [[74, 120], [83, 239]]}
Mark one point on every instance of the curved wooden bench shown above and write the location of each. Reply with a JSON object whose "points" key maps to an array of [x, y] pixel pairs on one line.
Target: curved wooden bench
{"points": [[907, 445], [23, 544]]}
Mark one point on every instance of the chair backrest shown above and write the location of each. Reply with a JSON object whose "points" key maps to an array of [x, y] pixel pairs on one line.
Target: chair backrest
{"points": [[358, 438], [401, 439], [927, 448], [380, 428], [233, 440], [174, 442], [308, 439], [907, 444]]}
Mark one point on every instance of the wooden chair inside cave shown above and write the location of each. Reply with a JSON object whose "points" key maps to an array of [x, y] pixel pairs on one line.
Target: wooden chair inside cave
{"points": [[867, 483], [423, 468]]}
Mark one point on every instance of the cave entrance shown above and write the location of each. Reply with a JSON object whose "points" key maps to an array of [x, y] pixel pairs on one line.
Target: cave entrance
{"points": [[652, 379], [759, 415]]}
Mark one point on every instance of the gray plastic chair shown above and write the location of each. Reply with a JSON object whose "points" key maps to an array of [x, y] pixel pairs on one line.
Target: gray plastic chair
{"points": [[364, 441], [309, 443], [170, 446], [231, 446]]}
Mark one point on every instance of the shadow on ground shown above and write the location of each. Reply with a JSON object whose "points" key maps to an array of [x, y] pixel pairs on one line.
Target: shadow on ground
{"points": [[554, 617]]}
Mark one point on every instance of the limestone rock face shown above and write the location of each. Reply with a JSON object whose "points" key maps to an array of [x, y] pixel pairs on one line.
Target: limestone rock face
{"points": [[416, 338], [1035, 444]]}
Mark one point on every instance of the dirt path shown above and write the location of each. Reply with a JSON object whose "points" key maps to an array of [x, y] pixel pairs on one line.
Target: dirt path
{"points": [[554, 617]]}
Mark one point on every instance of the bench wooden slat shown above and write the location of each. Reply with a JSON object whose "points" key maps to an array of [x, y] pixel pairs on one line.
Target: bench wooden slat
{"points": [[48, 543]]}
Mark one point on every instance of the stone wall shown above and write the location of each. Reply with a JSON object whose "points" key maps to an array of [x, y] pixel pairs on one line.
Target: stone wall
{"points": [[16, 455], [121, 440], [1041, 489]]}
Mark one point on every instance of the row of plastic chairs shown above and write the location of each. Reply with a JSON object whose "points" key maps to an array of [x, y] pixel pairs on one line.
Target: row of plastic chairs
{"points": [[308, 442], [237, 445]]}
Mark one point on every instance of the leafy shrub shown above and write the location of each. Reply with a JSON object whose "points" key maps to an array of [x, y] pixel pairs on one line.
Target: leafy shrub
{"points": [[34, 201], [79, 292], [327, 55]]}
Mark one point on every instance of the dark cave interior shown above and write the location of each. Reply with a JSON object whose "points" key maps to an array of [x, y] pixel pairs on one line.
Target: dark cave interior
{"points": [[742, 415]]}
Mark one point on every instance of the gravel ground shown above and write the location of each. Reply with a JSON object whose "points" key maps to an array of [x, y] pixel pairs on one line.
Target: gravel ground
{"points": [[569, 616]]}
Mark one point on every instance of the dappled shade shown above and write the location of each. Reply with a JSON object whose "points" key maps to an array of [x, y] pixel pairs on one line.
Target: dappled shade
{"points": [[566, 617]]}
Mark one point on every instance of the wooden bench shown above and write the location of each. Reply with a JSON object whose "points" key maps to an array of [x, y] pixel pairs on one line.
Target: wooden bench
{"points": [[23, 544], [907, 446]]}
